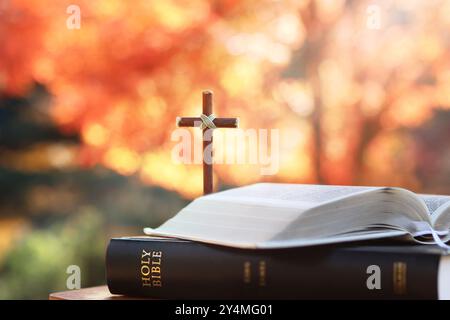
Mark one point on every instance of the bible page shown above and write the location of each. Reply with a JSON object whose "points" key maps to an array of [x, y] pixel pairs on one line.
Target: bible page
{"points": [[250, 215]]}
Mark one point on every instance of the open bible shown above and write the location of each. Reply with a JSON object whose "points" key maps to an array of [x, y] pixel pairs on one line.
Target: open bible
{"points": [[269, 215]]}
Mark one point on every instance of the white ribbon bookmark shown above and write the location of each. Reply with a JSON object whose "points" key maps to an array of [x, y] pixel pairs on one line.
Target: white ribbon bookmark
{"points": [[440, 238]]}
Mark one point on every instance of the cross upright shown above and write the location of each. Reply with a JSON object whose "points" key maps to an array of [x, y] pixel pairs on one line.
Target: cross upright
{"points": [[207, 122]]}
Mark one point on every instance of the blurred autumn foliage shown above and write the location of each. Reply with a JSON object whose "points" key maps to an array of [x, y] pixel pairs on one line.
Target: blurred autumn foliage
{"points": [[360, 91], [314, 68]]}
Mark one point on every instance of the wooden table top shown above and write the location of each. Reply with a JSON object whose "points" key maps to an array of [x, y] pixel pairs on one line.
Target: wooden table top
{"points": [[94, 293]]}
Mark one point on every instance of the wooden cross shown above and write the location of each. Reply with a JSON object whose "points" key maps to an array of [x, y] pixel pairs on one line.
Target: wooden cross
{"points": [[207, 121]]}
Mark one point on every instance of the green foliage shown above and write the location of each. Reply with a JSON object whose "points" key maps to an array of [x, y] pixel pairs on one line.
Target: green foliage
{"points": [[37, 265]]}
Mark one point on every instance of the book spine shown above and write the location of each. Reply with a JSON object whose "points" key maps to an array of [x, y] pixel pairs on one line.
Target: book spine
{"points": [[190, 270]]}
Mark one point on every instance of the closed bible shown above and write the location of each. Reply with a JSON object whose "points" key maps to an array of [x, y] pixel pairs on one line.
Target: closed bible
{"points": [[180, 269]]}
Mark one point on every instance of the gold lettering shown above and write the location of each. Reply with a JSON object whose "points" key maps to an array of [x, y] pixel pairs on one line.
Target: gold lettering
{"points": [[145, 253], [145, 270], [247, 272], [150, 268], [146, 282], [157, 283], [262, 273], [399, 278], [156, 270]]}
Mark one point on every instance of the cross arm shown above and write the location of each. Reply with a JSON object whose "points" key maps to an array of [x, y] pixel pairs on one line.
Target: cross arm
{"points": [[196, 122]]}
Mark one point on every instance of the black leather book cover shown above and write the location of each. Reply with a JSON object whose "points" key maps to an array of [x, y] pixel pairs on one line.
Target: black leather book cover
{"points": [[177, 269]]}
